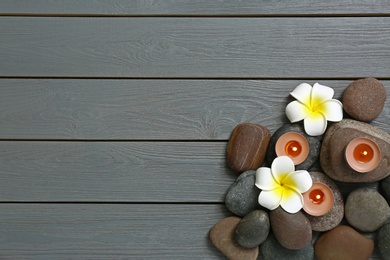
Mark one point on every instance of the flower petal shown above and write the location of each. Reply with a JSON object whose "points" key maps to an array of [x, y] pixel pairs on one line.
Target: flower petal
{"points": [[292, 201], [270, 199], [296, 111], [265, 180], [332, 109], [302, 93], [299, 181], [320, 93], [281, 167], [315, 124]]}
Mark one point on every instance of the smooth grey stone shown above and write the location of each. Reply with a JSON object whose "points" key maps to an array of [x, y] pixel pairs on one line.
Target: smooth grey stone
{"points": [[272, 250], [335, 215], [385, 188], [242, 196], [366, 209], [383, 241], [314, 145], [253, 229]]}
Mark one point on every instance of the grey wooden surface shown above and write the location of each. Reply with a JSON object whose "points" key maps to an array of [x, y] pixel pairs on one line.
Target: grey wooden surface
{"points": [[115, 115]]}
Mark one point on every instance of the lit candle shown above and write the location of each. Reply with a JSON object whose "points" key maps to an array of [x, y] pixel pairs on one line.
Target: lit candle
{"points": [[362, 154], [294, 145], [318, 200]]}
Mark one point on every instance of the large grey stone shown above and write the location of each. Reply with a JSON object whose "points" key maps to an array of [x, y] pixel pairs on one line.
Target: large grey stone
{"points": [[366, 209], [242, 196], [383, 240]]}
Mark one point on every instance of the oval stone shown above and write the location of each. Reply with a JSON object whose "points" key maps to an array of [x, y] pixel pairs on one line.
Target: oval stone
{"points": [[364, 99], [314, 145], [385, 188], [343, 242], [335, 215], [253, 229], [366, 209], [222, 237], [247, 147], [383, 240], [242, 196], [336, 139], [272, 250], [293, 231]]}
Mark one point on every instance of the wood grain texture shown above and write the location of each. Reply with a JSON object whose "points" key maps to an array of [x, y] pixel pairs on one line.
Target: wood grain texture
{"points": [[191, 7], [104, 231], [193, 47], [147, 109], [114, 171]]}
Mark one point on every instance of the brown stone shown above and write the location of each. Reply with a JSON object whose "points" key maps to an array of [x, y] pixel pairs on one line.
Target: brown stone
{"points": [[247, 147], [293, 231], [336, 140], [345, 243], [334, 216], [364, 99], [222, 237]]}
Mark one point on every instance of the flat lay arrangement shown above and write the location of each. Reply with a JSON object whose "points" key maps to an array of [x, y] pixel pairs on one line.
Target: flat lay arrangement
{"points": [[277, 207]]}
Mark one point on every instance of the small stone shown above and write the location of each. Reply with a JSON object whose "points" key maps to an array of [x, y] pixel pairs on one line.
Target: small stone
{"points": [[222, 237], [366, 210], [242, 196], [345, 243], [253, 229], [247, 147], [383, 240], [385, 188], [364, 99], [293, 231], [335, 215], [314, 145], [337, 137], [272, 250]]}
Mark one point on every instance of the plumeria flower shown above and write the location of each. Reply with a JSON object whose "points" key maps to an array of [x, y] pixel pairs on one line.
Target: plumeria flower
{"points": [[315, 106], [282, 185]]}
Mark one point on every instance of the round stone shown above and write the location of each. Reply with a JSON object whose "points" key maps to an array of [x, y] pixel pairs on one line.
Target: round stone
{"points": [[383, 241], [293, 231], [253, 229], [364, 99], [385, 188], [338, 136], [343, 242], [366, 209], [271, 250], [222, 237], [335, 215], [242, 196], [247, 147], [314, 145]]}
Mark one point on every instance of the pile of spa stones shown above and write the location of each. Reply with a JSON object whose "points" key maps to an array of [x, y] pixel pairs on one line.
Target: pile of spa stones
{"points": [[253, 232]]}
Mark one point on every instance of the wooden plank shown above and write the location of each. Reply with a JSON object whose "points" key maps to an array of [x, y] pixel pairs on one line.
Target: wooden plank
{"points": [[114, 171], [106, 231], [110, 231], [190, 7], [192, 47], [146, 109]]}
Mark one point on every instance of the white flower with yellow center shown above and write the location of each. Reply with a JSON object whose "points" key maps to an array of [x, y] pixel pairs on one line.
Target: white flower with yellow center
{"points": [[282, 185], [315, 106]]}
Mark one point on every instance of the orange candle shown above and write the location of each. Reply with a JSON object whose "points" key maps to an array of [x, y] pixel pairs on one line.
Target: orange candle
{"points": [[318, 200], [294, 145], [362, 154]]}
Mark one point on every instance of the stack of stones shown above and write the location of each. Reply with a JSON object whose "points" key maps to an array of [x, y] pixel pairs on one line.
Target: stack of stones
{"points": [[257, 233]]}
